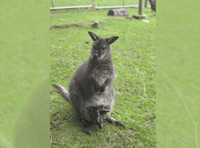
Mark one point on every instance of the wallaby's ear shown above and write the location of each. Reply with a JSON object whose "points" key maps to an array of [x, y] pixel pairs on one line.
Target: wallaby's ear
{"points": [[93, 36], [112, 39]]}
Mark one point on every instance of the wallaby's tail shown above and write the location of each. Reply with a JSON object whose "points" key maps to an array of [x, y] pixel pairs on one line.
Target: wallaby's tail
{"points": [[64, 92]]}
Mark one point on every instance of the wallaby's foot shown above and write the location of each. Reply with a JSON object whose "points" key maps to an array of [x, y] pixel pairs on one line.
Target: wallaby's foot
{"points": [[87, 130], [118, 123], [85, 126]]}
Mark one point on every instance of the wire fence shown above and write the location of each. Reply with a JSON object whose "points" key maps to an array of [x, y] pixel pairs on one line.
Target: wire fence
{"points": [[96, 4]]}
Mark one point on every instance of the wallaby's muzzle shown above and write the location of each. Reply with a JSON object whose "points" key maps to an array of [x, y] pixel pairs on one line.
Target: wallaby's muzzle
{"points": [[95, 56]]}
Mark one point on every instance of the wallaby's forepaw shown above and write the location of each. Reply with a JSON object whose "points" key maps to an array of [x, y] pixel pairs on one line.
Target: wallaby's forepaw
{"points": [[102, 89], [118, 123]]}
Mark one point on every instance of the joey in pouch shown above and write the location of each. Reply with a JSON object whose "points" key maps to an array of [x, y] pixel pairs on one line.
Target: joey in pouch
{"points": [[91, 90]]}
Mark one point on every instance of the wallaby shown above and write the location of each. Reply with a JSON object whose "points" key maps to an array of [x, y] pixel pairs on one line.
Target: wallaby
{"points": [[91, 89]]}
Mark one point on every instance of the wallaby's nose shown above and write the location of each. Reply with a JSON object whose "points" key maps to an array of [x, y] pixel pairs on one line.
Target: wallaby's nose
{"points": [[95, 56]]}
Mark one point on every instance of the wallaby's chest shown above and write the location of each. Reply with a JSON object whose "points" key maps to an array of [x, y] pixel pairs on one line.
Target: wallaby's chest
{"points": [[100, 74]]}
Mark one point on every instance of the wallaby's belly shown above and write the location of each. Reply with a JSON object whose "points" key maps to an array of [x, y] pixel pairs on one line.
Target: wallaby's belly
{"points": [[105, 99], [100, 76]]}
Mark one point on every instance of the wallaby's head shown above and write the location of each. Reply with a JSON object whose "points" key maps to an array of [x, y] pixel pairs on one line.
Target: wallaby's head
{"points": [[101, 46]]}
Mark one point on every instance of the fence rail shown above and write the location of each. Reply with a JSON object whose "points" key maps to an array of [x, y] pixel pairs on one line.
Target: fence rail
{"points": [[70, 7], [94, 5], [126, 6]]}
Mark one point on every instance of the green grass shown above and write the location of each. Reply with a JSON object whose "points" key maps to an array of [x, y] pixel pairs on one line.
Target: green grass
{"points": [[59, 3], [134, 50]]}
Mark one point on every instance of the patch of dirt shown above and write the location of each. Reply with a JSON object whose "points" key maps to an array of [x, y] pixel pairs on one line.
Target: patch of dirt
{"points": [[64, 26]]}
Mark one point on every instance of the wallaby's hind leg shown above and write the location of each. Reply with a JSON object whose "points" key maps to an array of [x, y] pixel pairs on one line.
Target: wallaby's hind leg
{"points": [[85, 126], [78, 102], [118, 123]]}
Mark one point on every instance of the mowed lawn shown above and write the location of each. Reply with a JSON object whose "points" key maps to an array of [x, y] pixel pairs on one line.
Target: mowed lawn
{"points": [[135, 84]]}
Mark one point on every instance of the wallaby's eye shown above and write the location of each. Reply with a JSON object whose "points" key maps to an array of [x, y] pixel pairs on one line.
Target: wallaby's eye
{"points": [[104, 47]]}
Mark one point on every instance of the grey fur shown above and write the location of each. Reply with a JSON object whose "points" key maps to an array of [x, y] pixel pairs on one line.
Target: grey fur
{"points": [[91, 90], [63, 92]]}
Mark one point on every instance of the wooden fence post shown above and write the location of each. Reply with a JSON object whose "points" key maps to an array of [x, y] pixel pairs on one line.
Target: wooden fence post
{"points": [[145, 4], [140, 7], [94, 5], [52, 3]]}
